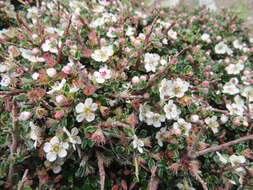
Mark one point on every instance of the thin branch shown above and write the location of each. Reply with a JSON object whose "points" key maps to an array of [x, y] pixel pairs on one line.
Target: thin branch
{"points": [[114, 124], [127, 96], [12, 92], [196, 142], [14, 143], [23, 180], [101, 170], [197, 176], [222, 146], [146, 41], [158, 74], [66, 31]]}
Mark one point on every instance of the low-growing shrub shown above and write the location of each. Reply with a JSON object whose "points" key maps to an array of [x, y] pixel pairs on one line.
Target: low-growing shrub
{"points": [[111, 95]]}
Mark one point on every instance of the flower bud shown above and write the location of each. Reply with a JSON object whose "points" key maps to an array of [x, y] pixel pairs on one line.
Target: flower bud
{"points": [[194, 118], [67, 69], [59, 114], [51, 72], [135, 80], [224, 119], [60, 99], [25, 115]]}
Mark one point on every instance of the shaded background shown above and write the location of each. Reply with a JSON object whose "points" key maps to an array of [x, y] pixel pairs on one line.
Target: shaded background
{"points": [[243, 7]]}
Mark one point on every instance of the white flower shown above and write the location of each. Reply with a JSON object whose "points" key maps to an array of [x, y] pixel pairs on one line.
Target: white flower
{"points": [[222, 158], [235, 109], [247, 92], [154, 119], [86, 110], [164, 88], [32, 12], [73, 89], [28, 54], [234, 69], [212, 123], [222, 48], [230, 88], [98, 9], [73, 136], [172, 34], [50, 46], [171, 110], [6, 80], [162, 135], [178, 88], [182, 125], [138, 144], [35, 133], [111, 33], [130, 31], [51, 72], [238, 45], [236, 160], [35, 76], [239, 100], [143, 109], [3, 67], [55, 166], [102, 75], [98, 22], [103, 54], [55, 148], [151, 61], [57, 86], [206, 37]]}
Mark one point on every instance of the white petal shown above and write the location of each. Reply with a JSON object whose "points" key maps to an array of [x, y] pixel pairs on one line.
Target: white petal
{"points": [[88, 102], [80, 117], [54, 140], [79, 107], [74, 131], [57, 169], [94, 107], [90, 117], [62, 153], [51, 156], [47, 147]]}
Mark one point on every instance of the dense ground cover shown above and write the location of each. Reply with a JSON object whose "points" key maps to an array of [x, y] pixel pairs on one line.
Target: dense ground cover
{"points": [[112, 95]]}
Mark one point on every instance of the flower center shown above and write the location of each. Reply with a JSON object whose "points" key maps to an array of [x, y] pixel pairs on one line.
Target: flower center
{"points": [[176, 90], [55, 148]]}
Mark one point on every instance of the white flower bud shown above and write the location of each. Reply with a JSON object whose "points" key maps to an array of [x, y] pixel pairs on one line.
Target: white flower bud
{"points": [[25, 115], [51, 72], [224, 118], [194, 118]]}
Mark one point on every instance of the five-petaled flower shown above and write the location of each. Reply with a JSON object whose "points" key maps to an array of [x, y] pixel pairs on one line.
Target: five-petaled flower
{"points": [[86, 110]]}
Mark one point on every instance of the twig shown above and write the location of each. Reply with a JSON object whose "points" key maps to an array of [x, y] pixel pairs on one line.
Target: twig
{"points": [[12, 92], [114, 124], [14, 144], [146, 41], [24, 178], [154, 181], [127, 96], [222, 146], [66, 31], [101, 170], [197, 176], [196, 142], [158, 74]]}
